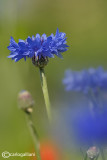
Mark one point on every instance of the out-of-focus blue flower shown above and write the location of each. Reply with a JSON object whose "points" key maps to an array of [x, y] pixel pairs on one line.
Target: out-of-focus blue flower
{"points": [[85, 80], [89, 127], [88, 123], [38, 46]]}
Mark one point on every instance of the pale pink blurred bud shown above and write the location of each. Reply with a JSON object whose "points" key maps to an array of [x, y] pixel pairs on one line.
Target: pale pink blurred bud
{"points": [[25, 101], [93, 152]]}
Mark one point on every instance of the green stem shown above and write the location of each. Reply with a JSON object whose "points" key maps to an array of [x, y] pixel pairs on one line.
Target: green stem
{"points": [[85, 157], [102, 154], [34, 135], [97, 157], [45, 92]]}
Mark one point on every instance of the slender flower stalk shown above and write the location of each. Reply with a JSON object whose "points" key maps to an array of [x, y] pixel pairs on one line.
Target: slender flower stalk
{"points": [[26, 103], [45, 92], [102, 153], [85, 157], [34, 135]]}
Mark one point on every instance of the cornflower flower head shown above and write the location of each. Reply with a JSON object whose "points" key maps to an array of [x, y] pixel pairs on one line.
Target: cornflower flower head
{"points": [[85, 80], [89, 121], [39, 48]]}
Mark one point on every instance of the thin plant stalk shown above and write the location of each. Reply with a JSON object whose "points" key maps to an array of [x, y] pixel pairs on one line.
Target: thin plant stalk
{"points": [[102, 154], [85, 157], [97, 157], [45, 92], [34, 135]]}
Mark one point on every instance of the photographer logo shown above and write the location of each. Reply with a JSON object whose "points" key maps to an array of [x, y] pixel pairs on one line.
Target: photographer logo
{"points": [[7, 154]]}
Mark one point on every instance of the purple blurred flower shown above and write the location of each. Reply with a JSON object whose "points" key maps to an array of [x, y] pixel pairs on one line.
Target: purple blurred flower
{"points": [[88, 123], [89, 127], [85, 80]]}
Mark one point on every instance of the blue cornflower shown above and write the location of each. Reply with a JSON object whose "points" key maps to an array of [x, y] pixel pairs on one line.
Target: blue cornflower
{"points": [[38, 47], [76, 81], [89, 126], [85, 80], [89, 122]]}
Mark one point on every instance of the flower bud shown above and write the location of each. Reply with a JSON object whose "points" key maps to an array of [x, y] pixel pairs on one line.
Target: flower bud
{"points": [[93, 152], [42, 62], [25, 101]]}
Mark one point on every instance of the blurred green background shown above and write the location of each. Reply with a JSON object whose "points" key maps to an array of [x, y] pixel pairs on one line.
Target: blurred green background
{"points": [[84, 22]]}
